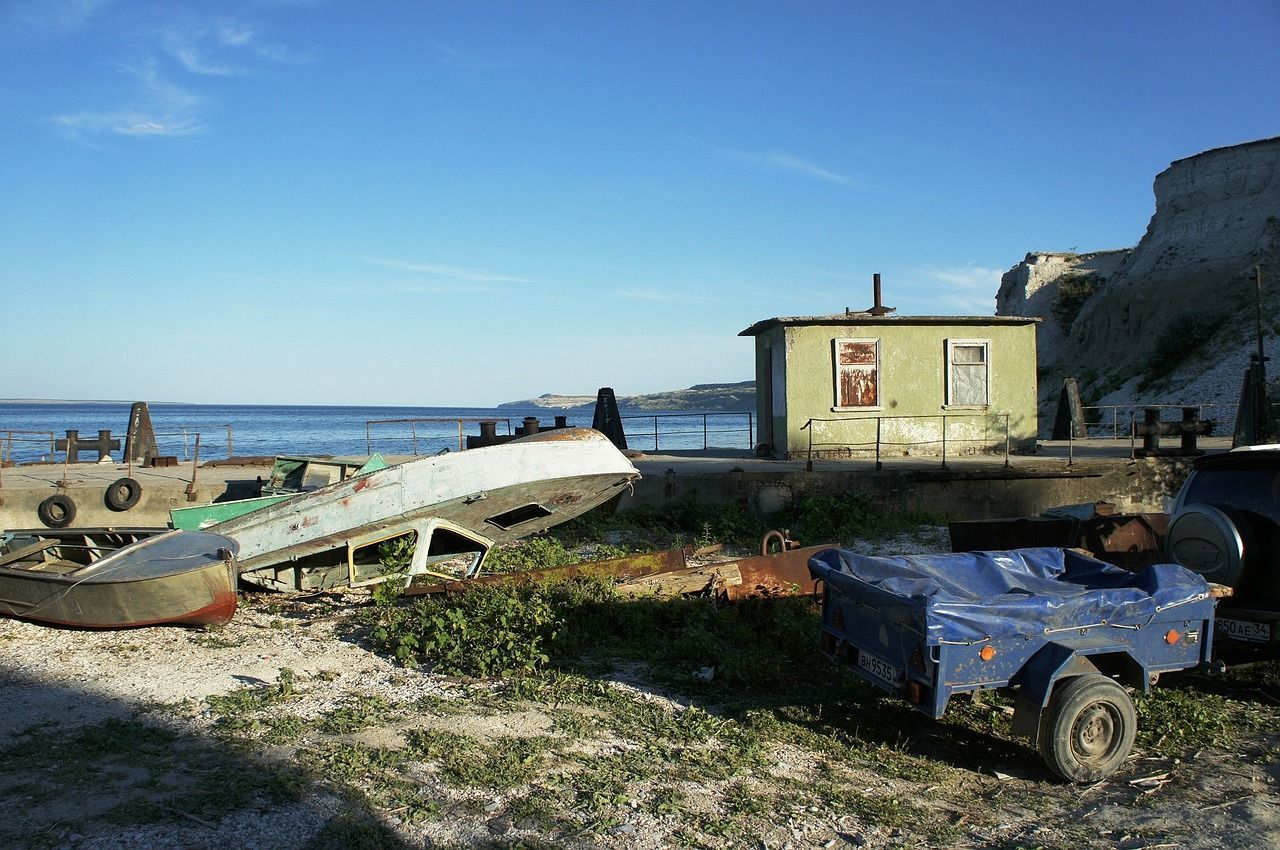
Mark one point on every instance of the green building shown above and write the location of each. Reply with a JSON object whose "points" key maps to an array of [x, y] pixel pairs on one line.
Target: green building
{"points": [[854, 383]]}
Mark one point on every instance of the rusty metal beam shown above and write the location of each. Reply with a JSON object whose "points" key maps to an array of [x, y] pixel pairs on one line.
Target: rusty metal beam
{"points": [[667, 573], [630, 567]]}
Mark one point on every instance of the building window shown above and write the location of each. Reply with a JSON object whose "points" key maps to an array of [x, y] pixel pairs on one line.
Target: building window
{"points": [[968, 372], [857, 363]]}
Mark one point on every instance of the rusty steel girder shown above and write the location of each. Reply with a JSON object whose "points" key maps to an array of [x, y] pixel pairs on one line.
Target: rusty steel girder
{"points": [[668, 573]]}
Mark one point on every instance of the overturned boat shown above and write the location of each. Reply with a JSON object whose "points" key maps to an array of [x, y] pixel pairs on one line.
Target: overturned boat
{"points": [[111, 579], [434, 516]]}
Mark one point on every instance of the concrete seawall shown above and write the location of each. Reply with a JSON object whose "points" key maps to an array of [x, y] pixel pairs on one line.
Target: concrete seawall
{"points": [[966, 488]]}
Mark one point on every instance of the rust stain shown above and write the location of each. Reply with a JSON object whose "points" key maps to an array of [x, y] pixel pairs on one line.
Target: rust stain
{"points": [[308, 521], [857, 354], [361, 483], [857, 388], [560, 500]]}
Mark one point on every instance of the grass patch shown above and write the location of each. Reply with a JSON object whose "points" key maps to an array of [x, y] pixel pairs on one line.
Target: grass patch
{"points": [[1172, 721]]}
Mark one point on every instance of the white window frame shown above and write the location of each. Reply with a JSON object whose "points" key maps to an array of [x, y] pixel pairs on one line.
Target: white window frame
{"points": [[836, 371], [952, 345]]}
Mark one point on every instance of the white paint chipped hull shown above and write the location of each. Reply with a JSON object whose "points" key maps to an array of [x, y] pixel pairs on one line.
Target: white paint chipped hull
{"points": [[490, 495]]}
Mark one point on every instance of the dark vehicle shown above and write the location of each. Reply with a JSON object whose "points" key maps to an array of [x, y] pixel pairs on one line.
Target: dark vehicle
{"points": [[1066, 631], [1225, 525]]}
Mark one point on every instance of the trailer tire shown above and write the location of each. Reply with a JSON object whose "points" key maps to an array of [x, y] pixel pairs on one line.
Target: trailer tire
{"points": [[1089, 728], [57, 511], [123, 494]]}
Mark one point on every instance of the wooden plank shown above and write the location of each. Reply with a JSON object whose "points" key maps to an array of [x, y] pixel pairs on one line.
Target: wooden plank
{"points": [[27, 551]]}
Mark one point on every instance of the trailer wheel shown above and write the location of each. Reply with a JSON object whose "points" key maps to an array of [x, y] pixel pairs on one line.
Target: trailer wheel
{"points": [[57, 511], [123, 494], [1089, 728]]}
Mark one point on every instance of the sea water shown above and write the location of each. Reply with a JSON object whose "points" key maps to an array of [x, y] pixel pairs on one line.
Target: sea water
{"points": [[28, 429]]}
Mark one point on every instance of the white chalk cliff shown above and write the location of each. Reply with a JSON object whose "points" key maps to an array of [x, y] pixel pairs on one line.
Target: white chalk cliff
{"points": [[1184, 295]]}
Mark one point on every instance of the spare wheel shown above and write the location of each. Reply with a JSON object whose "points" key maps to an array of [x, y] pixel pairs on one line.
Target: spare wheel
{"points": [[1210, 540]]}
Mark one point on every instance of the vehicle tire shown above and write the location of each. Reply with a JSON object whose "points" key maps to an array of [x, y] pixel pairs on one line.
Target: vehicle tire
{"points": [[1212, 540], [57, 511], [1088, 729], [123, 494]]}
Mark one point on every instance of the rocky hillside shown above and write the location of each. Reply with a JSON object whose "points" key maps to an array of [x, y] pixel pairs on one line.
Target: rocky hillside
{"points": [[1172, 319], [727, 398]]}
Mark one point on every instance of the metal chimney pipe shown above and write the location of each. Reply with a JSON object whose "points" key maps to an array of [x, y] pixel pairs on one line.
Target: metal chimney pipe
{"points": [[879, 309]]}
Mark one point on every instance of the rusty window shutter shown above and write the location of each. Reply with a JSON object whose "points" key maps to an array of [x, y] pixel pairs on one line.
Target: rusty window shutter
{"points": [[857, 372]]}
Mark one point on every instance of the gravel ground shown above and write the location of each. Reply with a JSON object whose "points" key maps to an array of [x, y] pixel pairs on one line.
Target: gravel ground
{"points": [[55, 684]]}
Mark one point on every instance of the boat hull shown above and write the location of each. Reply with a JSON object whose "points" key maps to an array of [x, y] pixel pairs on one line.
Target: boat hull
{"points": [[495, 494], [178, 577]]}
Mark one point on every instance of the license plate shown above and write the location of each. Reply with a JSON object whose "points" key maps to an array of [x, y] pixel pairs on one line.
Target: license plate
{"points": [[881, 669], [1245, 630]]}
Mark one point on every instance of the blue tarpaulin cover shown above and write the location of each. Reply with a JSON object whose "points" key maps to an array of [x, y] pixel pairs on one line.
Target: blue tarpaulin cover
{"points": [[969, 596]]}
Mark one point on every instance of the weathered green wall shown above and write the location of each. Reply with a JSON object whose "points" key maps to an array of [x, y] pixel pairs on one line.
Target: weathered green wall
{"points": [[912, 381]]}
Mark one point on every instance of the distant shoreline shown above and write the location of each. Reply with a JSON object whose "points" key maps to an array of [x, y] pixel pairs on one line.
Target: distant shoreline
{"points": [[57, 401]]}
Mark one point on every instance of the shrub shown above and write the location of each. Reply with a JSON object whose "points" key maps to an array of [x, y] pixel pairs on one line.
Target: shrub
{"points": [[1074, 288]]}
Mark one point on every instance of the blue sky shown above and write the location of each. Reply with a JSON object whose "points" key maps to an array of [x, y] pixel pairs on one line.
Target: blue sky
{"points": [[468, 203]]}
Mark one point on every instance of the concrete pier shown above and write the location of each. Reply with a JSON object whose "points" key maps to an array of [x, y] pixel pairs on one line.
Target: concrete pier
{"points": [[971, 487]]}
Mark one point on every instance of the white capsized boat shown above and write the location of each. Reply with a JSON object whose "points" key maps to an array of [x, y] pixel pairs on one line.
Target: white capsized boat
{"points": [[442, 513]]}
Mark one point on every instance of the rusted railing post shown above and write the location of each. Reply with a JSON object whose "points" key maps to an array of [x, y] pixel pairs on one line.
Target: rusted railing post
{"points": [[413, 431], [879, 422], [944, 441], [228, 442], [1006, 440], [808, 465], [195, 465], [704, 432]]}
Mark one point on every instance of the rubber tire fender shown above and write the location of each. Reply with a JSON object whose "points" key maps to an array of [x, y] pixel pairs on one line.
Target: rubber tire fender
{"points": [[1088, 729], [123, 494], [57, 511]]}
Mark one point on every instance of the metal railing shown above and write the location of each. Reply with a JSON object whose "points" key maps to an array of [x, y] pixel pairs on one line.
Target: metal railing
{"points": [[1115, 421], [687, 438], [191, 439], [431, 435], [46, 438], [895, 436], [184, 436]]}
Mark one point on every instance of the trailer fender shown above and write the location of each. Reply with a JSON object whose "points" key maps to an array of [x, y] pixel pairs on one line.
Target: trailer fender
{"points": [[1053, 662]]}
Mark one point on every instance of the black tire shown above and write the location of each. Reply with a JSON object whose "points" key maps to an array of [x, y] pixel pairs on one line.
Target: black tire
{"points": [[57, 511], [1089, 728], [123, 494]]}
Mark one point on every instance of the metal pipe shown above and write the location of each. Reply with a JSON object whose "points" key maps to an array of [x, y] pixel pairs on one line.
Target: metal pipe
{"points": [[195, 465], [944, 441], [1006, 439], [879, 421]]}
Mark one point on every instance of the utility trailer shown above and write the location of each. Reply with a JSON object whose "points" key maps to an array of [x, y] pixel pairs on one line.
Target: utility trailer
{"points": [[1068, 633]]}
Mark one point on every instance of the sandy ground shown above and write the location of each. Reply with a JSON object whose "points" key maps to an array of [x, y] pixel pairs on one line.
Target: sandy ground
{"points": [[62, 680]]}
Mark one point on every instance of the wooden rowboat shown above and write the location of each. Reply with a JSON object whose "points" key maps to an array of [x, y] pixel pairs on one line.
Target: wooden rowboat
{"points": [[110, 579]]}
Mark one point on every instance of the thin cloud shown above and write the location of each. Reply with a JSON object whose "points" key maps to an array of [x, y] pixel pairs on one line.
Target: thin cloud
{"points": [[52, 16], [664, 296], [183, 46], [781, 161], [162, 108], [221, 48], [452, 272], [969, 290]]}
